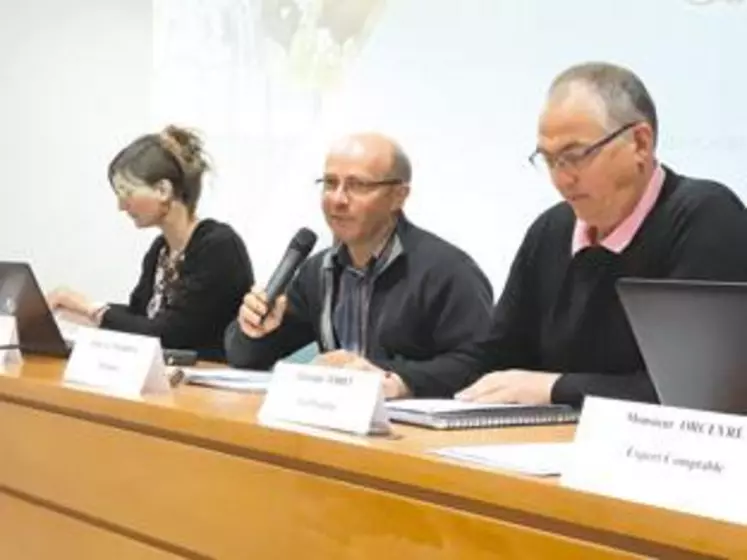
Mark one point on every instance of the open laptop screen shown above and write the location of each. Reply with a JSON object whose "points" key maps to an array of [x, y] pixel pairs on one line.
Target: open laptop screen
{"points": [[693, 338], [21, 296]]}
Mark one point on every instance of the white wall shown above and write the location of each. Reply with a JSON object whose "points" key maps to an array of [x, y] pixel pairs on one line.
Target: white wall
{"points": [[74, 87], [458, 83]]}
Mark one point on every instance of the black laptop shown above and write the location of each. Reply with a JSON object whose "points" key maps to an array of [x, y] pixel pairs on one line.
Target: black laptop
{"points": [[693, 338], [21, 297]]}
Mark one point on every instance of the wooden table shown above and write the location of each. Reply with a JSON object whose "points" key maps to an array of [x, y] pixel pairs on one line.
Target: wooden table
{"points": [[193, 475]]}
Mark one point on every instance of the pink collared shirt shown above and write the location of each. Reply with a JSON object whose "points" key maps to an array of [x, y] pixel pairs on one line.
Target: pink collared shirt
{"points": [[624, 233]]}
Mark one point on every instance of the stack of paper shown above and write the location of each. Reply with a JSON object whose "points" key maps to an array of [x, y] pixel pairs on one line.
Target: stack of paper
{"points": [[537, 459], [227, 378]]}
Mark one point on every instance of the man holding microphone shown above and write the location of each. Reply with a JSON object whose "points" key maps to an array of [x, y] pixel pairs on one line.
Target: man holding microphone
{"points": [[388, 297]]}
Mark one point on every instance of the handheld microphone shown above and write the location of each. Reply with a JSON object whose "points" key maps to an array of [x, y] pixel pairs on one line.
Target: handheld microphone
{"points": [[300, 247]]}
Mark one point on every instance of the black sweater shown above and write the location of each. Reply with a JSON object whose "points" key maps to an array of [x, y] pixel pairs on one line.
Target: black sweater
{"points": [[426, 307], [213, 277], [560, 313]]}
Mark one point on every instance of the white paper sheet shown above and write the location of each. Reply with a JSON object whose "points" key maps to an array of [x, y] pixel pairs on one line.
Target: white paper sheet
{"points": [[228, 378], [537, 459]]}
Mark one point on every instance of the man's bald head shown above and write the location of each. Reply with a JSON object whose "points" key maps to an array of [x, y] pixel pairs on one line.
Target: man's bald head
{"points": [[365, 185], [383, 154]]}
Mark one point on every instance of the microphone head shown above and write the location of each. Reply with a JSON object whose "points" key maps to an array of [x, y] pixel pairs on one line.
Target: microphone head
{"points": [[303, 241]]}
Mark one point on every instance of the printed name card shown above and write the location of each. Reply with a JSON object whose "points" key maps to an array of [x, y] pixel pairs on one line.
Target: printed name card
{"points": [[341, 399], [9, 352], [680, 459], [120, 363]]}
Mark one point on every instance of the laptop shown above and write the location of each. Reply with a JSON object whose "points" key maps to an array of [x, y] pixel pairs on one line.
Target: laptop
{"points": [[693, 338], [38, 330], [21, 296]]}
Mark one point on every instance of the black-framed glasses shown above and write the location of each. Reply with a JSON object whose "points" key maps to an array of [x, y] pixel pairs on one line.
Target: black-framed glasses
{"points": [[354, 186], [570, 159]]}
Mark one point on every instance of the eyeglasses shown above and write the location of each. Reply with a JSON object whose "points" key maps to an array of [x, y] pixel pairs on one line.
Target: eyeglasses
{"points": [[123, 191], [354, 186], [127, 189], [569, 160]]}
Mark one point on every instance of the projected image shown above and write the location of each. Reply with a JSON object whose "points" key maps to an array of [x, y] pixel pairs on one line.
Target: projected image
{"points": [[259, 67], [318, 37], [304, 50]]}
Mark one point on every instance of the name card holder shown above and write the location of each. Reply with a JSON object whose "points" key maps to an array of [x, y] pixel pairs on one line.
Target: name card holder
{"points": [[325, 397], [685, 460], [123, 364], [10, 354]]}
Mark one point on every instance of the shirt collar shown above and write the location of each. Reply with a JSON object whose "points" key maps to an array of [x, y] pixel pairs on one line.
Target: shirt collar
{"points": [[623, 234], [340, 256]]}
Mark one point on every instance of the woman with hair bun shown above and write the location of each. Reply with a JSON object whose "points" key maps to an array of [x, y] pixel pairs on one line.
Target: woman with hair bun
{"points": [[196, 271]]}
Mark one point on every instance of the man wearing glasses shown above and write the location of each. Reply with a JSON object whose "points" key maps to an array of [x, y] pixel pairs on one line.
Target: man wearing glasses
{"points": [[559, 331], [388, 297]]}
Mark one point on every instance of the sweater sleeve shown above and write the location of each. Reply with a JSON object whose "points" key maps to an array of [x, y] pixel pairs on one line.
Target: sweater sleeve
{"points": [[571, 388], [295, 331], [510, 339], [708, 244], [461, 303], [209, 279]]}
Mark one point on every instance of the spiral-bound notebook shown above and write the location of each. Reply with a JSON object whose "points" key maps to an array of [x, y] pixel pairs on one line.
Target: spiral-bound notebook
{"points": [[448, 414]]}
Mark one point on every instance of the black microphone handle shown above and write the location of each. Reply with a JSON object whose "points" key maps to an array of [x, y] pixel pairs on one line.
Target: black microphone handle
{"points": [[299, 248], [283, 275]]}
